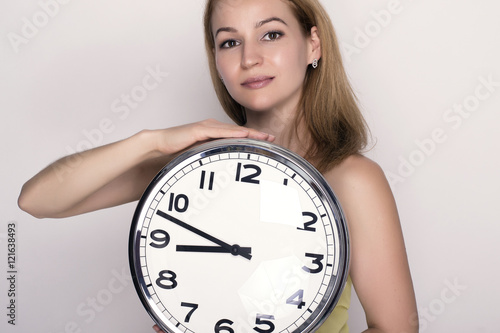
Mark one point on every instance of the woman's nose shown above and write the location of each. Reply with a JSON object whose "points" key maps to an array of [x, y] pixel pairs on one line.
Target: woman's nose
{"points": [[251, 55]]}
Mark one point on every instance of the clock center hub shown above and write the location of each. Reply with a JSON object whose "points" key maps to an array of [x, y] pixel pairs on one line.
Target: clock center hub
{"points": [[235, 250]]}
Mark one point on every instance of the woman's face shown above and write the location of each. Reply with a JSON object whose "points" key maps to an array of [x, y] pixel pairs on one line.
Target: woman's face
{"points": [[261, 53]]}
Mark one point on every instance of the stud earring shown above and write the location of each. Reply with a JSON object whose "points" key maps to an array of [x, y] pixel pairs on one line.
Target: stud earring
{"points": [[315, 63]]}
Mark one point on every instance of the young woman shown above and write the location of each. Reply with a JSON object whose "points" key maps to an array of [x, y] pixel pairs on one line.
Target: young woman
{"points": [[277, 71]]}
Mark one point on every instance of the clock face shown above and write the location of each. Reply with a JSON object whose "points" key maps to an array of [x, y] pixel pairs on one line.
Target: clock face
{"points": [[239, 236]]}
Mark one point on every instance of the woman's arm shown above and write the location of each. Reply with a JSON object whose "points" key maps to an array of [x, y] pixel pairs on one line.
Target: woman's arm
{"points": [[379, 266], [116, 173]]}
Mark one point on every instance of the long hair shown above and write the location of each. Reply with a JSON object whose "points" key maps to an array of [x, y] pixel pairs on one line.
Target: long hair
{"points": [[327, 109]]}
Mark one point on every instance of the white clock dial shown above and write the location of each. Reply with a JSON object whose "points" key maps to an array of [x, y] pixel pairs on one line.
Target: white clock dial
{"points": [[239, 236]]}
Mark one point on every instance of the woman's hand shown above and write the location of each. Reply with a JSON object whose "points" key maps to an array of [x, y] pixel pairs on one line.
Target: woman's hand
{"points": [[157, 329], [117, 173], [173, 140]]}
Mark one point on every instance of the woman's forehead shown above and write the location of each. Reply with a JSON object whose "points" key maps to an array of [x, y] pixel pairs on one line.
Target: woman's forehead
{"points": [[234, 12]]}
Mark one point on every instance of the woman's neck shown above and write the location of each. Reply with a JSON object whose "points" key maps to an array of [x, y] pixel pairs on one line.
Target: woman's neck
{"points": [[281, 125]]}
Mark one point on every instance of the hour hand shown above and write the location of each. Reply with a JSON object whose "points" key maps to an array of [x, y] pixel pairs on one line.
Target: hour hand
{"points": [[234, 250]]}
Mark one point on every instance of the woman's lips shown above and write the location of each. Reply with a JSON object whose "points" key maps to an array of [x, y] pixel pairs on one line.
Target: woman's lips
{"points": [[257, 82]]}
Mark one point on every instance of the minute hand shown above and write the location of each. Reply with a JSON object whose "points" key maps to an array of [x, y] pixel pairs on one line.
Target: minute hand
{"points": [[233, 249]]}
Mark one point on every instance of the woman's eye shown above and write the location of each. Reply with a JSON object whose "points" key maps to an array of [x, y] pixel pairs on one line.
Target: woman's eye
{"points": [[229, 44], [273, 35]]}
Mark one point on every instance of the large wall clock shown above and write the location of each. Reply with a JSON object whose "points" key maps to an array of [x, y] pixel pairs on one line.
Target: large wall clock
{"points": [[239, 236]]}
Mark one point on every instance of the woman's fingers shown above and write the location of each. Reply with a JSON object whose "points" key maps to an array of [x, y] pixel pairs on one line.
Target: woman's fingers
{"points": [[213, 129], [175, 139], [157, 329]]}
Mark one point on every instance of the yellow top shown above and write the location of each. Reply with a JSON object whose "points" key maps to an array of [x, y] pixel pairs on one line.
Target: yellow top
{"points": [[337, 321]]}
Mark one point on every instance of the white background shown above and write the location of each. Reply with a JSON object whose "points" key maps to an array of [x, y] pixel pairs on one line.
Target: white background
{"points": [[410, 68]]}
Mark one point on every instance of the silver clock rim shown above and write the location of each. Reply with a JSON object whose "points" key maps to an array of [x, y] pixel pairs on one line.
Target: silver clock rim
{"points": [[288, 158]]}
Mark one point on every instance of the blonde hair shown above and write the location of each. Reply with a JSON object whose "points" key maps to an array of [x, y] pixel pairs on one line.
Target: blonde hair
{"points": [[327, 108]]}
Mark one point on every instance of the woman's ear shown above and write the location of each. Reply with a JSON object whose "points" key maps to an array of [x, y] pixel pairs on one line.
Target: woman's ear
{"points": [[315, 45]]}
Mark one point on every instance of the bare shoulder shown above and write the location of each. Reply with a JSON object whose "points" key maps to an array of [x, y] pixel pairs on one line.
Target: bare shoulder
{"points": [[356, 173], [379, 266], [364, 193]]}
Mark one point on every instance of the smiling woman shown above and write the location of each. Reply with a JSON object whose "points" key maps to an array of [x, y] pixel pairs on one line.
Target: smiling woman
{"points": [[252, 54], [282, 41], [278, 73]]}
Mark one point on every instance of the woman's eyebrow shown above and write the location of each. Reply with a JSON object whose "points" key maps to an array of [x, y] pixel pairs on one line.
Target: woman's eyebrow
{"points": [[227, 29], [271, 19], [257, 25]]}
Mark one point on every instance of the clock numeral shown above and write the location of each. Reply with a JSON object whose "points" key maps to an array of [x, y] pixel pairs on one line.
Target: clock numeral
{"points": [[316, 261], [297, 299], [308, 224], [161, 237], [210, 180], [166, 276], [219, 326], [249, 178], [178, 202], [189, 305], [261, 321]]}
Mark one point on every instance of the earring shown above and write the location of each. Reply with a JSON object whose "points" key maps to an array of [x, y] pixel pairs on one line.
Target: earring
{"points": [[315, 63]]}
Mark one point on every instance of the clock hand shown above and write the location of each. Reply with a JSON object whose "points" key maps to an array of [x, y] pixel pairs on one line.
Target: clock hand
{"points": [[211, 249], [233, 249]]}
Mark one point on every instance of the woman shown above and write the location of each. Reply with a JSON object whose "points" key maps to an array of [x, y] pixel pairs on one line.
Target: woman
{"points": [[278, 73]]}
